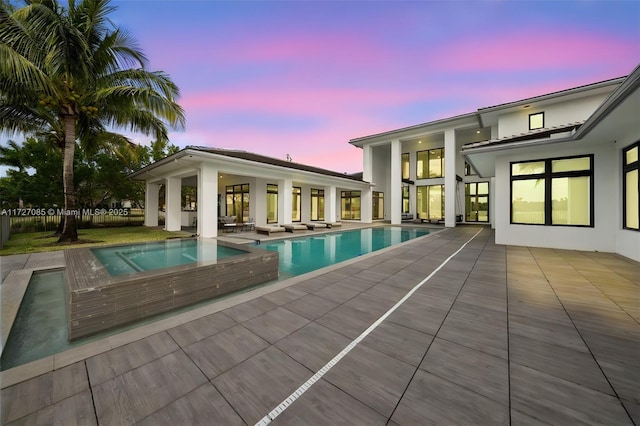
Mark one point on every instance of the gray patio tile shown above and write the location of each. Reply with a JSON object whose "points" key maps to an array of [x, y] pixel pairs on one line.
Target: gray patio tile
{"points": [[317, 283], [204, 406], [487, 302], [40, 392], [311, 306], [404, 279], [557, 332], [325, 404], [347, 320], [474, 370], [313, 345], [520, 419], [386, 292], [259, 384], [285, 295], [633, 408], [488, 338], [372, 377], [568, 364], [402, 343], [218, 353], [118, 361], [558, 401], [614, 348], [433, 400], [72, 411], [276, 324], [623, 377], [133, 396], [251, 309], [480, 314], [339, 292], [413, 314], [193, 331]]}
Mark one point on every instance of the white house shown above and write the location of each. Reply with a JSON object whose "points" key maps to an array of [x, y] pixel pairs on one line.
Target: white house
{"points": [[250, 187], [558, 170]]}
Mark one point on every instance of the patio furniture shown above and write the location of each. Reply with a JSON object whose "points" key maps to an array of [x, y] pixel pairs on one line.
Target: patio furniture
{"points": [[228, 223], [269, 229], [332, 224], [294, 228], [313, 225]]}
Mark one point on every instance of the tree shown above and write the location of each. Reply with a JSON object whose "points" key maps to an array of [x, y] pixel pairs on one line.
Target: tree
{"points": [[68, 74]]}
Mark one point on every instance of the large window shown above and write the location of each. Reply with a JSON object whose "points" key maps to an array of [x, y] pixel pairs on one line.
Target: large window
{"points": [[630, 187], [272, 203], [405, 199], [556, 191], [238, 202], [430, 202], [296, 204], [430, 164], [405, 166], [477, 202], [378, 205], [317, 204], [350, 205]]}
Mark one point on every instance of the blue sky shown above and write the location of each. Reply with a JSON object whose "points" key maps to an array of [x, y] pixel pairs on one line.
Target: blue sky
{"points": [[304, 77]]}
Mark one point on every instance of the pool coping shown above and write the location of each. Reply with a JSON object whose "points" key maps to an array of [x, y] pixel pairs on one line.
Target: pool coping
{"points": [[53, 362]]}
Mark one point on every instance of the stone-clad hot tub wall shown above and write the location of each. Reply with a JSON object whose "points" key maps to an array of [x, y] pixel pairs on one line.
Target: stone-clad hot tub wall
{"points": [[97, 301]]}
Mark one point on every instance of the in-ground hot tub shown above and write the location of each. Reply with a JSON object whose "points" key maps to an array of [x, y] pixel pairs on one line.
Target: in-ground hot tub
{"points": [[112, 286]]}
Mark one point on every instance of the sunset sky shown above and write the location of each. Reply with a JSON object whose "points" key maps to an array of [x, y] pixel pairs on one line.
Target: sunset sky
{"points": [[304, 77]]}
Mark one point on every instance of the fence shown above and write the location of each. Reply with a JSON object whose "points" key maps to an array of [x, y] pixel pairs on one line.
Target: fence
{"points": [[87, 218]]}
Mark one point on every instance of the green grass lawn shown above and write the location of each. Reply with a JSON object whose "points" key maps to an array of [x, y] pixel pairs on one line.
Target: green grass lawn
{"points": [[35, 242]]}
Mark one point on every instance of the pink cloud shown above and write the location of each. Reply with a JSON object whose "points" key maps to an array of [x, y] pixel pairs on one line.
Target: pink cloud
{"points": [[535, 49]]}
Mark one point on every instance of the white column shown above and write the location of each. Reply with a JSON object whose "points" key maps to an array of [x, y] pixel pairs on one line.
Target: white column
{"points": [[367, 156], [450, 192], [173, 212], [151, 204], [285, 198], [366, 205], [330, 201], [208, 201], [395, 197]]}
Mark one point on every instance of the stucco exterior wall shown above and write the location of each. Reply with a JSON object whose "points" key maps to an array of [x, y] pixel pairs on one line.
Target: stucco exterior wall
{"points": [[607, 205], [557, 114]]}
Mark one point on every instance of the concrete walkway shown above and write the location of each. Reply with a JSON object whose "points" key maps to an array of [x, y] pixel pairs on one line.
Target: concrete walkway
{"points": [[499, 335]]}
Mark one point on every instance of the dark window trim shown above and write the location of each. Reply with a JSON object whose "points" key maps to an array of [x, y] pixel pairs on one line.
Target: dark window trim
{"points": [[426, 168], [273, 191], [316, 193], [297, 190], [548, 176], [480, 195], [626, 168], [536, 113]]}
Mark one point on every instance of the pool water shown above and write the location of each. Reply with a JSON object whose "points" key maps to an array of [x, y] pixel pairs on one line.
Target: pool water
{"points": [[40, 328], [301, 255], [130, 259]]}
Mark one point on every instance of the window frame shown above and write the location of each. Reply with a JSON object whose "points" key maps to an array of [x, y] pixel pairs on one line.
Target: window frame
{"points": [[377, 197], [547, 176], [318, 212], [540, 113], [350, 196], [426, 169], [627, 168], [272, 191], [296, 204], [244, 191]]}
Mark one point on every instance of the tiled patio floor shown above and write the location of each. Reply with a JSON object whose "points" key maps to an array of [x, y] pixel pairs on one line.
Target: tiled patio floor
{"points": [[499, 335]]}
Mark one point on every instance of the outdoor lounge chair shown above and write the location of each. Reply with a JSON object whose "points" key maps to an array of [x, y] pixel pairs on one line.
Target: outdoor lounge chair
{"points": [[314, 225], [269, 229], [228, 223], [294, 228], [332, 224]]}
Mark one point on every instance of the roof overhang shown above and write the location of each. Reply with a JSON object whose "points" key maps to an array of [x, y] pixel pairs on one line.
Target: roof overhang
{"points": [[615, 119], [187, 162]]}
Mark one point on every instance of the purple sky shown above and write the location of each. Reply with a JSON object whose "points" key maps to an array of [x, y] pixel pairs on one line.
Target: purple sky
{"points": [[304, 77]]}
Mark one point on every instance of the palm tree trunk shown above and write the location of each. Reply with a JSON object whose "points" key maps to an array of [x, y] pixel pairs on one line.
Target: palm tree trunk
{"points": [[70, 229]]}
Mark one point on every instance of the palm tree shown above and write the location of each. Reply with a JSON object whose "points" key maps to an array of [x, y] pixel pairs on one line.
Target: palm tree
{"points": [[71, 75]]}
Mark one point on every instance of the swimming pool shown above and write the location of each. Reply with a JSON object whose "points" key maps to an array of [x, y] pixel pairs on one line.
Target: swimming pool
{"points": [[130, 259], [301, 255]]}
